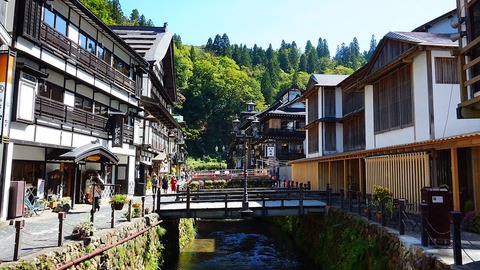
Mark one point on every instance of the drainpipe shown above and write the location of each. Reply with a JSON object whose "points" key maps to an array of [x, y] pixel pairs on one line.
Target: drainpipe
{"points": [[100, 250]]}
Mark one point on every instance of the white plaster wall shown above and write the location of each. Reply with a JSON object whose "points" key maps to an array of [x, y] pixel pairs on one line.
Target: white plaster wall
{"points": [[421, 116], [446, 98], [369, 127], [339, 137]]}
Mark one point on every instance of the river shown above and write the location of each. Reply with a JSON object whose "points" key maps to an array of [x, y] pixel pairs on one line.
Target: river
{"points": [[241, 245]]}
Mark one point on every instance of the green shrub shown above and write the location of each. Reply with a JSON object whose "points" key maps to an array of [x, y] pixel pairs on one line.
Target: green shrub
{"points": [[209, 184], [471, 222]]}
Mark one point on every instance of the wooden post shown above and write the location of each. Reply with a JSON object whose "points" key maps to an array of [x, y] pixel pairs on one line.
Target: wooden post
{"points": [[300, 200], [424, 209], [112, 219], [19, 224], [457, 239], [153, 205], [159, 200], [143, 206], [341, 197], [61, 218], [401, 216], [359, 202], [129, 214], [455, 183], [188, 202]]}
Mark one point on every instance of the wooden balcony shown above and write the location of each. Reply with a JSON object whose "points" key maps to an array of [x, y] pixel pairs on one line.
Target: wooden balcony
{"points": [[63, 47], [469, 106], [59, 113], [278, 132]]}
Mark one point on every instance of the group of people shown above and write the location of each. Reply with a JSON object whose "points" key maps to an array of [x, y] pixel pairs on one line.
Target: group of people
{"points": [[164, 182]]}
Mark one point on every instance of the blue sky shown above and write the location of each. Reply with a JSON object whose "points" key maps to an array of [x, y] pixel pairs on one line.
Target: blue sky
{"points": [[265, 22]]}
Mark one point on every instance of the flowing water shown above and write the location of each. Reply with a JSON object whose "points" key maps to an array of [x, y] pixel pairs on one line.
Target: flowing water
{"points": [[241, 245]]}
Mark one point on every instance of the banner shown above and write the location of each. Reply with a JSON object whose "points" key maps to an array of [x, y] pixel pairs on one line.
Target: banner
{"points": [[117, 130], [7, 65]]}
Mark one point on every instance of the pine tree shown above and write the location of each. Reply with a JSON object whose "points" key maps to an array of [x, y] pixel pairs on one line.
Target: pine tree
{"points": [[134, 17], [302, 64], [115, 11], [371, 50], [293, 56]]}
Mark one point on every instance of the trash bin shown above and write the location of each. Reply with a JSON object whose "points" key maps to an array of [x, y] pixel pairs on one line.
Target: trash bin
{"points": [[16, 199], [438, 216]]}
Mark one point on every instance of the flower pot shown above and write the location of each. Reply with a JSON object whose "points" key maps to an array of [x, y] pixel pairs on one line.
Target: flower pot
{"points": [[118, 206]]}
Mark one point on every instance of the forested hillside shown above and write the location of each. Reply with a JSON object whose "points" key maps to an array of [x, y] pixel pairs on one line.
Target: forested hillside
{"points": [[215, 80]]}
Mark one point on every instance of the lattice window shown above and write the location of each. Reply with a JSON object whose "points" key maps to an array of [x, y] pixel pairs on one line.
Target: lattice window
{"points": [[393, 101], [446, 70]]}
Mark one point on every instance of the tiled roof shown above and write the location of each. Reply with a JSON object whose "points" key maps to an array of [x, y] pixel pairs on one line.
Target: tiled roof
{"points": [[423, 38], [150, 42], [328, 79]]}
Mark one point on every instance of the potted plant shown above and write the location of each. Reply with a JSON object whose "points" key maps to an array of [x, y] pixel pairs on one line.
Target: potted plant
{"points": [[382, 195], [53, 201], [118, 201], [82, 230]]}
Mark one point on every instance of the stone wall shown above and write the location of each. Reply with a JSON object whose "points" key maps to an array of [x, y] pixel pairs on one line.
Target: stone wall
{"points": [[338, 240], [142, 252]]}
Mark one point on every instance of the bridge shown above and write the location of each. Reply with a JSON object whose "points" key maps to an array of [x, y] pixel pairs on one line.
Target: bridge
{"points": [[228, 203]]}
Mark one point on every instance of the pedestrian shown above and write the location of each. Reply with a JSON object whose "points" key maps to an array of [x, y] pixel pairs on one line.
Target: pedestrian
{"points": [[97, 193], [173, 182], [164, 184], [154, 183]]}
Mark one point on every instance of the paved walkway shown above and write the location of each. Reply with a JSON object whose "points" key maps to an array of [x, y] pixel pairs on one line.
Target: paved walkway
{"points": [[41, 231]]}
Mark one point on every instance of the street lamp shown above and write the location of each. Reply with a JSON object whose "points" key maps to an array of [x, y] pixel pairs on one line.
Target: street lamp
{"points": [[243, 134]]}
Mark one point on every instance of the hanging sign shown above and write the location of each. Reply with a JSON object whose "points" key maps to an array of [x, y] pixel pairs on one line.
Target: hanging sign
{"points": [[117, 130]]}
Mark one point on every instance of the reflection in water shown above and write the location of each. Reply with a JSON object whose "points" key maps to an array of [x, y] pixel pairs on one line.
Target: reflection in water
{"points": [[238, 245]]}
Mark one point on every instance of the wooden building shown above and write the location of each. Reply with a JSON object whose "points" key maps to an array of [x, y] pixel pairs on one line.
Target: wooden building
{"points": [[399, 124], [83, 101]]}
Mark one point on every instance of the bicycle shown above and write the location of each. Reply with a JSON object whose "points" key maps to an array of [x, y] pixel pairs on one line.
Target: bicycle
{"points": [[36, 206]]}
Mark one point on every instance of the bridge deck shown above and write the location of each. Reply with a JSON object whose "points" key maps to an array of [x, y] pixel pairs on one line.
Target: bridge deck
{"points": [[220, 204]]}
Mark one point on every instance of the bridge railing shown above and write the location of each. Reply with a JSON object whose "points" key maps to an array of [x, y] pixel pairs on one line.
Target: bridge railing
{"points": [[225, 196], [229, 173]]}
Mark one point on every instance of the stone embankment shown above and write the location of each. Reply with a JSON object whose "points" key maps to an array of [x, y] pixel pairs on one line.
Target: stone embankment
{"points": [[130, 245]]}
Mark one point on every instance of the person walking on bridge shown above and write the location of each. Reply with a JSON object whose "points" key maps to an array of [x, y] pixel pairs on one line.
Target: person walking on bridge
{"points": [[164, 184], [173, 182]]}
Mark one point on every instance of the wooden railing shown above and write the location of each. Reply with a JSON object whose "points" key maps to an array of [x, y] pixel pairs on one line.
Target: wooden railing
{"points": [[62, 46], [51, 110], [225, 197], [466, 68]]}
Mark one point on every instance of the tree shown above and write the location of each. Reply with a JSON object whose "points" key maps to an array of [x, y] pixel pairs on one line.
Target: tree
{"points": [[371, 50], [302, 64], [134, 16], [101, 9], [115, 11], [293, 56], [142, 21]]}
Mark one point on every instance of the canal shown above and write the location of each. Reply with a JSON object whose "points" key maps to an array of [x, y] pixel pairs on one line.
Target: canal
{"points": [[239, 245]]}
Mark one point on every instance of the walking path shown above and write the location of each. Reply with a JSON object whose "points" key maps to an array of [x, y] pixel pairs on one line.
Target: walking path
{"points": [[41, 232]]}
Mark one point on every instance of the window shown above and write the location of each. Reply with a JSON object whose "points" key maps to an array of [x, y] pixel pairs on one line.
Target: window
{"points": [[446, 70], [121, 66], [86, 42], [392, 101], [52, 91], [83, 103], [330, 137], [313, 139], [100, 109], [354, 133], [312, 108], [329, 102], [56, 21]]}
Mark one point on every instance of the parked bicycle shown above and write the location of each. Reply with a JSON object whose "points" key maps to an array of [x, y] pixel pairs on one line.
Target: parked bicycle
{"points": [[32, 204]]}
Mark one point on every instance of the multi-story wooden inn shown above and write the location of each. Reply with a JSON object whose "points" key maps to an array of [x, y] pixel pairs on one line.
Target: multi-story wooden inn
{"points": [[81, 101], [397, 122]]}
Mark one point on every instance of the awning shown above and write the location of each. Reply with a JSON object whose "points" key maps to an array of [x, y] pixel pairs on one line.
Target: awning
{"points": [[93, 152], [160, 157]]}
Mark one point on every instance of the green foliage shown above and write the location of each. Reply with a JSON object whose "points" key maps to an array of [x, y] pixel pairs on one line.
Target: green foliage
{"points": [[187, 231], [119, 198], [471, 222]]}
